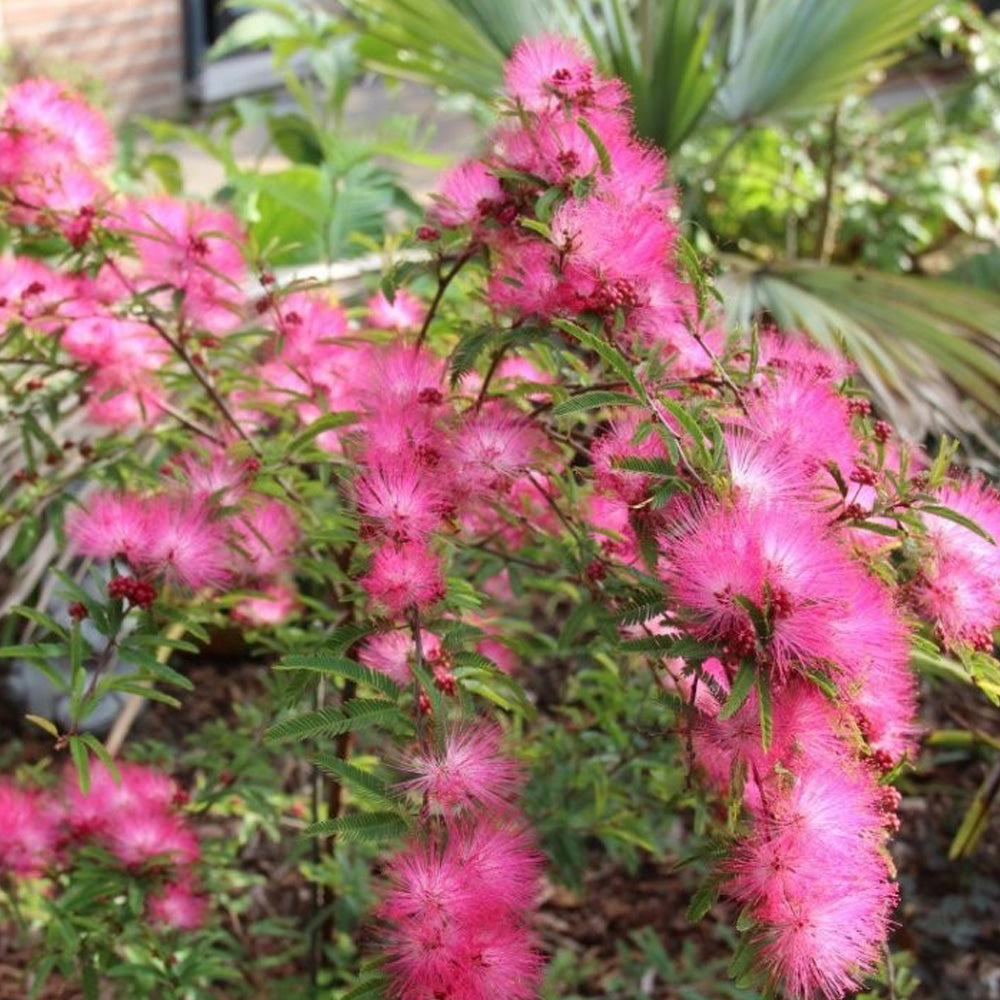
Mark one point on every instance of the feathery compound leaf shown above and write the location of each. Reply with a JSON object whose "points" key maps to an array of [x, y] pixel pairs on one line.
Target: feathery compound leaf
{"points": [[366, 785], [339, 666], [642, 608], [363, 827], [370, 989], [740, 690], [592, 400], [357, 714]]}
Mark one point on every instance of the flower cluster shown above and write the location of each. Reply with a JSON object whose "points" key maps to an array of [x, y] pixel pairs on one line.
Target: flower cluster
{"points": [[210, 531], [459, 899], [574, 210], [134, 817]]}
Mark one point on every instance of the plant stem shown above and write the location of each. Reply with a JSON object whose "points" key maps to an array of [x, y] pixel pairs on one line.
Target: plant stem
{"points": [[826, 233], [443, 283]]}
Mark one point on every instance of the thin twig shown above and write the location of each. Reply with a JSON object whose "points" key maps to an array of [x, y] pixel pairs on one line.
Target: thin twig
{"points": [[443, 283]]}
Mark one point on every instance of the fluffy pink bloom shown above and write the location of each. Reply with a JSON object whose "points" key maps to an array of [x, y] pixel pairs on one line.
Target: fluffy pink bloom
{"points": [[177, 905], [141, 790], [277, 603], [806, 419], [783, 562], [265, 537], [187, 545], [545, 71], [492, 447], [959, 586], [391, 653], [401, 500], [813, 875], [470, 772], [468, 193], [122, 397], [112, 525], [399, 379], [524, 276], [611, 529], [140, 835], [764, 473], [405, 312], [104, 340], [193, 248], [456, 917], [404, 576], [214, 475], [43, 119], [28, 831], [33, 294]]}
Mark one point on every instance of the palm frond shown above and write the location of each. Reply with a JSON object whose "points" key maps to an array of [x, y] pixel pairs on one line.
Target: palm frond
{"points": [[797, 56], [927, 347]]}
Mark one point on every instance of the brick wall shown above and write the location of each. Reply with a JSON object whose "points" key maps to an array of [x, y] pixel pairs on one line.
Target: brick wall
{"points": [[134, 48]]}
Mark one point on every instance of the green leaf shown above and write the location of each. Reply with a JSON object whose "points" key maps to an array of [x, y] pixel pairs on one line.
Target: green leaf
{"points": [[974, 821], [339, 666], [740, 690], [46, 724], [938, 510], [766, 711], [598, 143], [327, 422], [363, 827], [592, 400], [78, 751], [368, 989], [365, 784], [102, 755], [357, 714], [702, 901]]}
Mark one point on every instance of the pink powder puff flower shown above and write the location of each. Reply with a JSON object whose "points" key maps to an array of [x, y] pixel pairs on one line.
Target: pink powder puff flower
{"points": [[610, 527], [400, 379], [524, 277], [105, 340], [277, 603], [214, 475], [404, 312], [782, 561], [140, 835], [121, 398], [492, 447], [112, 525], [456, 917], [188, 547], [545, 71], [812, 873], [391, 653], [470, 772], [33, 294], [467, 193], [264, 537], [29, 831], [193, 248], [140, 789], [806, 419], [46, 120], [401, 500], [794, 352], [177, 905], [403, 577], [763, 473], [959, 585], [399, 435], [500, 653]]}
